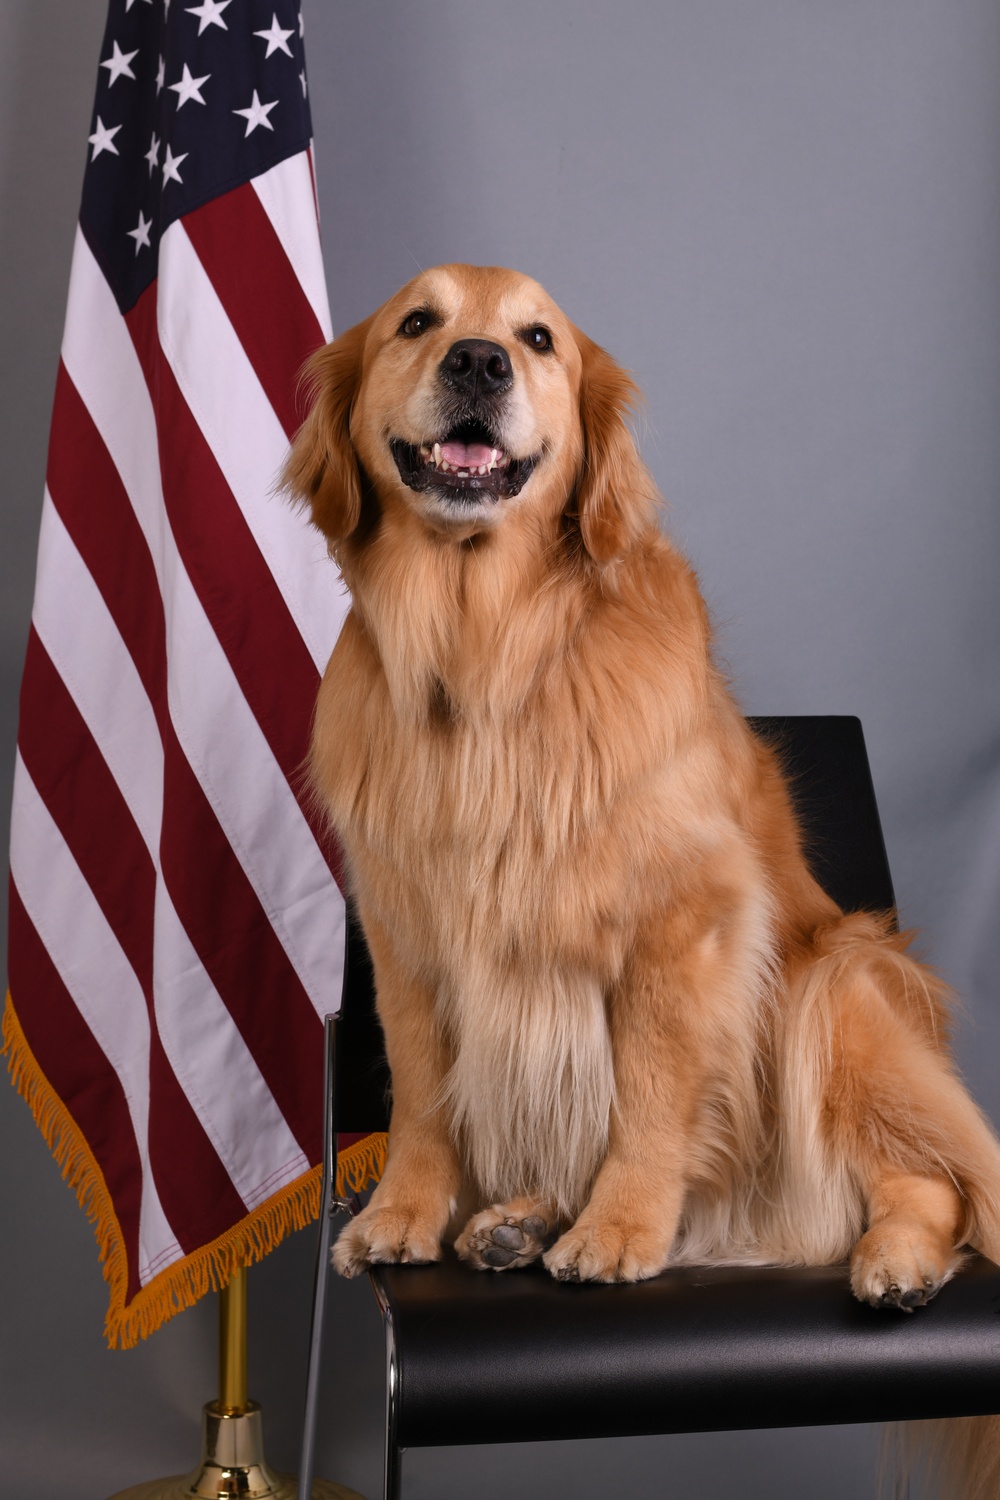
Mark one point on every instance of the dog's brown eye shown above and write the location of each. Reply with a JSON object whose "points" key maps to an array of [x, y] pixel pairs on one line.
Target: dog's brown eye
{"points": [[416, 323], [538, 338]]}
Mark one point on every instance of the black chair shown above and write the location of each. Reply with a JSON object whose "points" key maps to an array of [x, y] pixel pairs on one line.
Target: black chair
{"points": [[477, 1358]]}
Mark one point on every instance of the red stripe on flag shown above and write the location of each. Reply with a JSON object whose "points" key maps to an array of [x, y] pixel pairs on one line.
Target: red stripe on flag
{"points": [[77, 1070], [261, 294], [240, 951], [107, 536], [84, 801], [231, 578], [87, 807], [213, 897]]}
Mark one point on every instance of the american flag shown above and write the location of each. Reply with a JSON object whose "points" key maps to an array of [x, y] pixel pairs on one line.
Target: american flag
{"points": [[176, 916]]}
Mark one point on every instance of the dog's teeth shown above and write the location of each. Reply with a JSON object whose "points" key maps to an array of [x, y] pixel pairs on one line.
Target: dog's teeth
{"points": [[432, 454]]}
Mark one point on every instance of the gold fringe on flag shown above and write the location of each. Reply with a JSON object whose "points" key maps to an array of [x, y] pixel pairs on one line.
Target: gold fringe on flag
{"points": [[208, 1269]]}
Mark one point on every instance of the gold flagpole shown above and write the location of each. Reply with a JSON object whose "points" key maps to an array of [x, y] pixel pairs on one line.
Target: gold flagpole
{"points": [[232, 1449], [233, 1345]]}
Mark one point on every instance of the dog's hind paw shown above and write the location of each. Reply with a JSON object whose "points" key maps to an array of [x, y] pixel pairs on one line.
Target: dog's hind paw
{"points": [[901, 1266], [507, 1236]]}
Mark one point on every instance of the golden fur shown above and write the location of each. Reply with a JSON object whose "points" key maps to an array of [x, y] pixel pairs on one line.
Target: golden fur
{"points": [[626, 1027]]}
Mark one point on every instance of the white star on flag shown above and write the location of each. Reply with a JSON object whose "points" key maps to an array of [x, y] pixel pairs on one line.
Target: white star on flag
{"points": [[141, 233], [256, 114], [275, 38], [153, 154], [188, 87], [302, 80], [161, 74], [209, 13], [118, 64], [129, 4], [103, 139], [170, 165]]}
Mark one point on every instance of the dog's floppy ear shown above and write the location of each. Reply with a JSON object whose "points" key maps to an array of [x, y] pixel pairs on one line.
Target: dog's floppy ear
{"points": [[322, 468], [615, 497]]}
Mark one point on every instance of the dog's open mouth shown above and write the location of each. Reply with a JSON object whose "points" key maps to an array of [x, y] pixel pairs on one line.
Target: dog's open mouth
{"points": [[466, 463]]}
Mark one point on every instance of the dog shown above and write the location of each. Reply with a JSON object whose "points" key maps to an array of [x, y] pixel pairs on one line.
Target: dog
{"points": [[626, 1027]]}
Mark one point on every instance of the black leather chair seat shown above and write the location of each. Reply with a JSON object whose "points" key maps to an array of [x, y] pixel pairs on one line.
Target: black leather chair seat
{"points": [[478, 1355]]}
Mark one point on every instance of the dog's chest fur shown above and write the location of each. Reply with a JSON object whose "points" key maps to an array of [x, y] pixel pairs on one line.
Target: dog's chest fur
{"points": [[484, 761], [507, 827], [483, 831], [485, 876]]}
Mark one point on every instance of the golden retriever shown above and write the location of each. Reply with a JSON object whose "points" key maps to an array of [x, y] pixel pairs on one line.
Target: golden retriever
{"points": [[626, 1027]]}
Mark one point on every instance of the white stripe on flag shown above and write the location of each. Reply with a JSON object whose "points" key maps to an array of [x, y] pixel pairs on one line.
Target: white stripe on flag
{"points": [[93, 661], [126, 735], [215, 1067], [286, 192], [95, 971], [220, 736], [247, 440]]}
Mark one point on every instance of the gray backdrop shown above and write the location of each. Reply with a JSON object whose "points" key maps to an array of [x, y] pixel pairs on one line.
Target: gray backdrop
{"points": [[783, 216]]}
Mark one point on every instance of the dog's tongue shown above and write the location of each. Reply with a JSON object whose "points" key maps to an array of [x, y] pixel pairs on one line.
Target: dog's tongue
{"points": [[466, 455]]}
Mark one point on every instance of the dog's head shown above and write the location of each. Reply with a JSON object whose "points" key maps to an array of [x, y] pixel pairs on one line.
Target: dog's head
{"points": [[467, 395]]}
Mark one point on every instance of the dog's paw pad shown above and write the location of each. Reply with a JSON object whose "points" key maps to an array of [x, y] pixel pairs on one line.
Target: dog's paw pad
{"points": [[496, 1240], [509, 1236], [497, 1258]]}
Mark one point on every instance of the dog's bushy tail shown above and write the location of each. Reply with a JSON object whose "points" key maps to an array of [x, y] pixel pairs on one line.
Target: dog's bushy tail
{"points": [[959, 1458], [953, 1459], [938, 1128], [918, 1111]]}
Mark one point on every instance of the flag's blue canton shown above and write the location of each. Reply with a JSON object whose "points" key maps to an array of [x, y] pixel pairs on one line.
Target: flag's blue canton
{"points": [[192, 100]]}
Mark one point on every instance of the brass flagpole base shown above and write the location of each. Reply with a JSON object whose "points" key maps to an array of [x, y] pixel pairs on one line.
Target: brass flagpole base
{"points": [[232, 1466]]}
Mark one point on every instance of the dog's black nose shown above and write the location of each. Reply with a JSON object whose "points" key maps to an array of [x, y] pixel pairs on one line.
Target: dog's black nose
{"points": [[477, 367]]}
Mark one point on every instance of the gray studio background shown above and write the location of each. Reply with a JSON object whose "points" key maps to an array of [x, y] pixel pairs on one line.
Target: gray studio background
{"points": [[782, 215]]}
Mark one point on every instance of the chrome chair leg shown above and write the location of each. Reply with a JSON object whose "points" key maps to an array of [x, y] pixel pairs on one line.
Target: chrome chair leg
{"points": [[393, 1469], [329, 1205]]}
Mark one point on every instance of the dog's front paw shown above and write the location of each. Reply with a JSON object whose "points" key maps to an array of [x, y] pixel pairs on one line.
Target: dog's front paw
{"points": [[901, 1265], [507, 1236], [382, 1236], [607, 1252]]}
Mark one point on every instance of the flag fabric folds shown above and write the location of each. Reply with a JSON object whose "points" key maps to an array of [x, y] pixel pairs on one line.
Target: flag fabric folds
{"points": [[176, 907]]}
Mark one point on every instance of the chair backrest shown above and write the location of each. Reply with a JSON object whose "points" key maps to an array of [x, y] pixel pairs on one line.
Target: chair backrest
{"points": [[825, 759]]}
